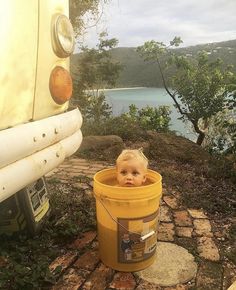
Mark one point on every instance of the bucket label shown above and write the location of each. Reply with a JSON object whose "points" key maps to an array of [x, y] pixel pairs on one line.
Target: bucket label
{"points": [[137, 238]]}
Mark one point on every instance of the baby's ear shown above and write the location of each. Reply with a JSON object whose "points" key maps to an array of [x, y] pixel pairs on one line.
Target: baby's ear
{"points": [[144, 177]]}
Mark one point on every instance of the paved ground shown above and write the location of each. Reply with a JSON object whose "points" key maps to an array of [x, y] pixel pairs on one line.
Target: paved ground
{"points": [[186, 227]]}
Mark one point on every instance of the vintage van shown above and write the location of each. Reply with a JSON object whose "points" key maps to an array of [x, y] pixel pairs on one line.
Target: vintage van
{"points": [[37, 131]]}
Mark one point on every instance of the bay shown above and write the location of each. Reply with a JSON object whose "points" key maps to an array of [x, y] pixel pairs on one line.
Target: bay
{"points": [[121, 99]]}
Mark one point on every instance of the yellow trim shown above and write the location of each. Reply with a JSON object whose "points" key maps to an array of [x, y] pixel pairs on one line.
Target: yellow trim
{"points": [[42, 212]]}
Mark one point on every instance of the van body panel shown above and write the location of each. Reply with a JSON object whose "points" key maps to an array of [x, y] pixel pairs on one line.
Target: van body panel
{"points": [[18, 56], [36, 134], [21, 173]]}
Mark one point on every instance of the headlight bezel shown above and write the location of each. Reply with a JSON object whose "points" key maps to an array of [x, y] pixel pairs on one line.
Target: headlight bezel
{"points": [[63, 40]]}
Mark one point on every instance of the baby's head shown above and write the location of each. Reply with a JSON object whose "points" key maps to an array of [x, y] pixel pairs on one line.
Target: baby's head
{"points": [[131, 168]]}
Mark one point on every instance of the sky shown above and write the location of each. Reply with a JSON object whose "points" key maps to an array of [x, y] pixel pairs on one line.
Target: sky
{"points": [[133, 22]]}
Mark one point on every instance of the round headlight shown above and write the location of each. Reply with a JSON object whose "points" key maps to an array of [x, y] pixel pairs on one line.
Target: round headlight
{"points": [[63, 36]]}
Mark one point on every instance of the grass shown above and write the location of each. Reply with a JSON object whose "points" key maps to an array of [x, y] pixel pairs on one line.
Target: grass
{"points": [[24, 261]]}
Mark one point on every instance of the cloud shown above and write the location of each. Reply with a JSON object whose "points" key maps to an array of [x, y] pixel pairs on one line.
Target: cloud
{"points": [[133, 22]]}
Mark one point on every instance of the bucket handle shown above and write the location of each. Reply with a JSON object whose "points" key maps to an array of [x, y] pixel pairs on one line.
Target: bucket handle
{"points": [[142, 238]]}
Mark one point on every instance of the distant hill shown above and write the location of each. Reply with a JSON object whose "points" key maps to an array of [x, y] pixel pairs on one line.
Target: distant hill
{"points": [[137, 73]]}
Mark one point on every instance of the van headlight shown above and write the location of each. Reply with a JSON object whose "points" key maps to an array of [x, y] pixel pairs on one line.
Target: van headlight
{"points": [[63, 41]]}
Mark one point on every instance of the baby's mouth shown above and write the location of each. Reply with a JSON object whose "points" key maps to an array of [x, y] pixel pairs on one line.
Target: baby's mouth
{"points": [[129, 184]]}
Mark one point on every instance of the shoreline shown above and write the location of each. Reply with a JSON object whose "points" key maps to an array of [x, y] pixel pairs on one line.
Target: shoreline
{"points": [[117, 89]]}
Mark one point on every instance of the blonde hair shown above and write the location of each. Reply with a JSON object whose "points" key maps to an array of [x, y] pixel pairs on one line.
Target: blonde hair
{"points": [[129, 154]]}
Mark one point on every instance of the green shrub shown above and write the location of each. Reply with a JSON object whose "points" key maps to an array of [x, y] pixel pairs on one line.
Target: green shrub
{"points": [[131, 125]]}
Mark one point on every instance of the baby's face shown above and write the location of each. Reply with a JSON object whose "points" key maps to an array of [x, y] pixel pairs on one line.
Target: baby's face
{"points": [[131, 173]]}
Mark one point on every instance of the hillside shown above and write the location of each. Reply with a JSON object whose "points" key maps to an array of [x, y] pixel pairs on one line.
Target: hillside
{"points": [[136, 72]]}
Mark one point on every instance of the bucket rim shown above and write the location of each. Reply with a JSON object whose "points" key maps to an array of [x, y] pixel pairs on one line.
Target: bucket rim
{"points": [[127, 193], [113, 169]]}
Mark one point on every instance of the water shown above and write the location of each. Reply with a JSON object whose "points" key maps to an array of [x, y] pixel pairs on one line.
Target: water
{"points": [[121, 99]]}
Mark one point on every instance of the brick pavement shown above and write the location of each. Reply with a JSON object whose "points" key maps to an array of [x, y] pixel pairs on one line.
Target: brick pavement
{"points": [[189, 228]]}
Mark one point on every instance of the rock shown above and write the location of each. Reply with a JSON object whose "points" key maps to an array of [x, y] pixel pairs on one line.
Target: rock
{"points": [[63, 262], [182, 218], [83, 241], [207, 249], [173, 265], [170, 146], [202, 227], [101, 147], [166, 232], [122, 280], [98, 278]]}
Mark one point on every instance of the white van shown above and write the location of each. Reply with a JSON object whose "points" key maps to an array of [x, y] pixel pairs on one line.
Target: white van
{"points": [[36, 131]]}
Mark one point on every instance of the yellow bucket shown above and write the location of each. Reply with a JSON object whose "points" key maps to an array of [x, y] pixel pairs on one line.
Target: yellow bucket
{"points": [[127, 220]]}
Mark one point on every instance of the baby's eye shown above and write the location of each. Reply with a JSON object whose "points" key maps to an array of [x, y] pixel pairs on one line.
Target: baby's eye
{"points": [[135, 173], [123, 172]]}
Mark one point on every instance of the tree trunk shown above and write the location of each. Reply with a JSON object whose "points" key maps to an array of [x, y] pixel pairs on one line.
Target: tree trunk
{"points": [[201, 134], [200, 138]]}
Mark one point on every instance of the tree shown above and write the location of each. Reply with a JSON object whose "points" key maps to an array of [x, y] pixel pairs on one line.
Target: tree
{"points": [[199, 86], [78, 9], [96, 109], [221, 137], [96, 71]]}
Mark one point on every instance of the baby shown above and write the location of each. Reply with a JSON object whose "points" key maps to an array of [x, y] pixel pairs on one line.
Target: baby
{"points": [[131, 168]]}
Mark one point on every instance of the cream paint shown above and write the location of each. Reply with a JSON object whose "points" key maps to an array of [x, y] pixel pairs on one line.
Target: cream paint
{"points": [[36, 134], [27, 59], [18, 55], [19, 174], [23, 140]]}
